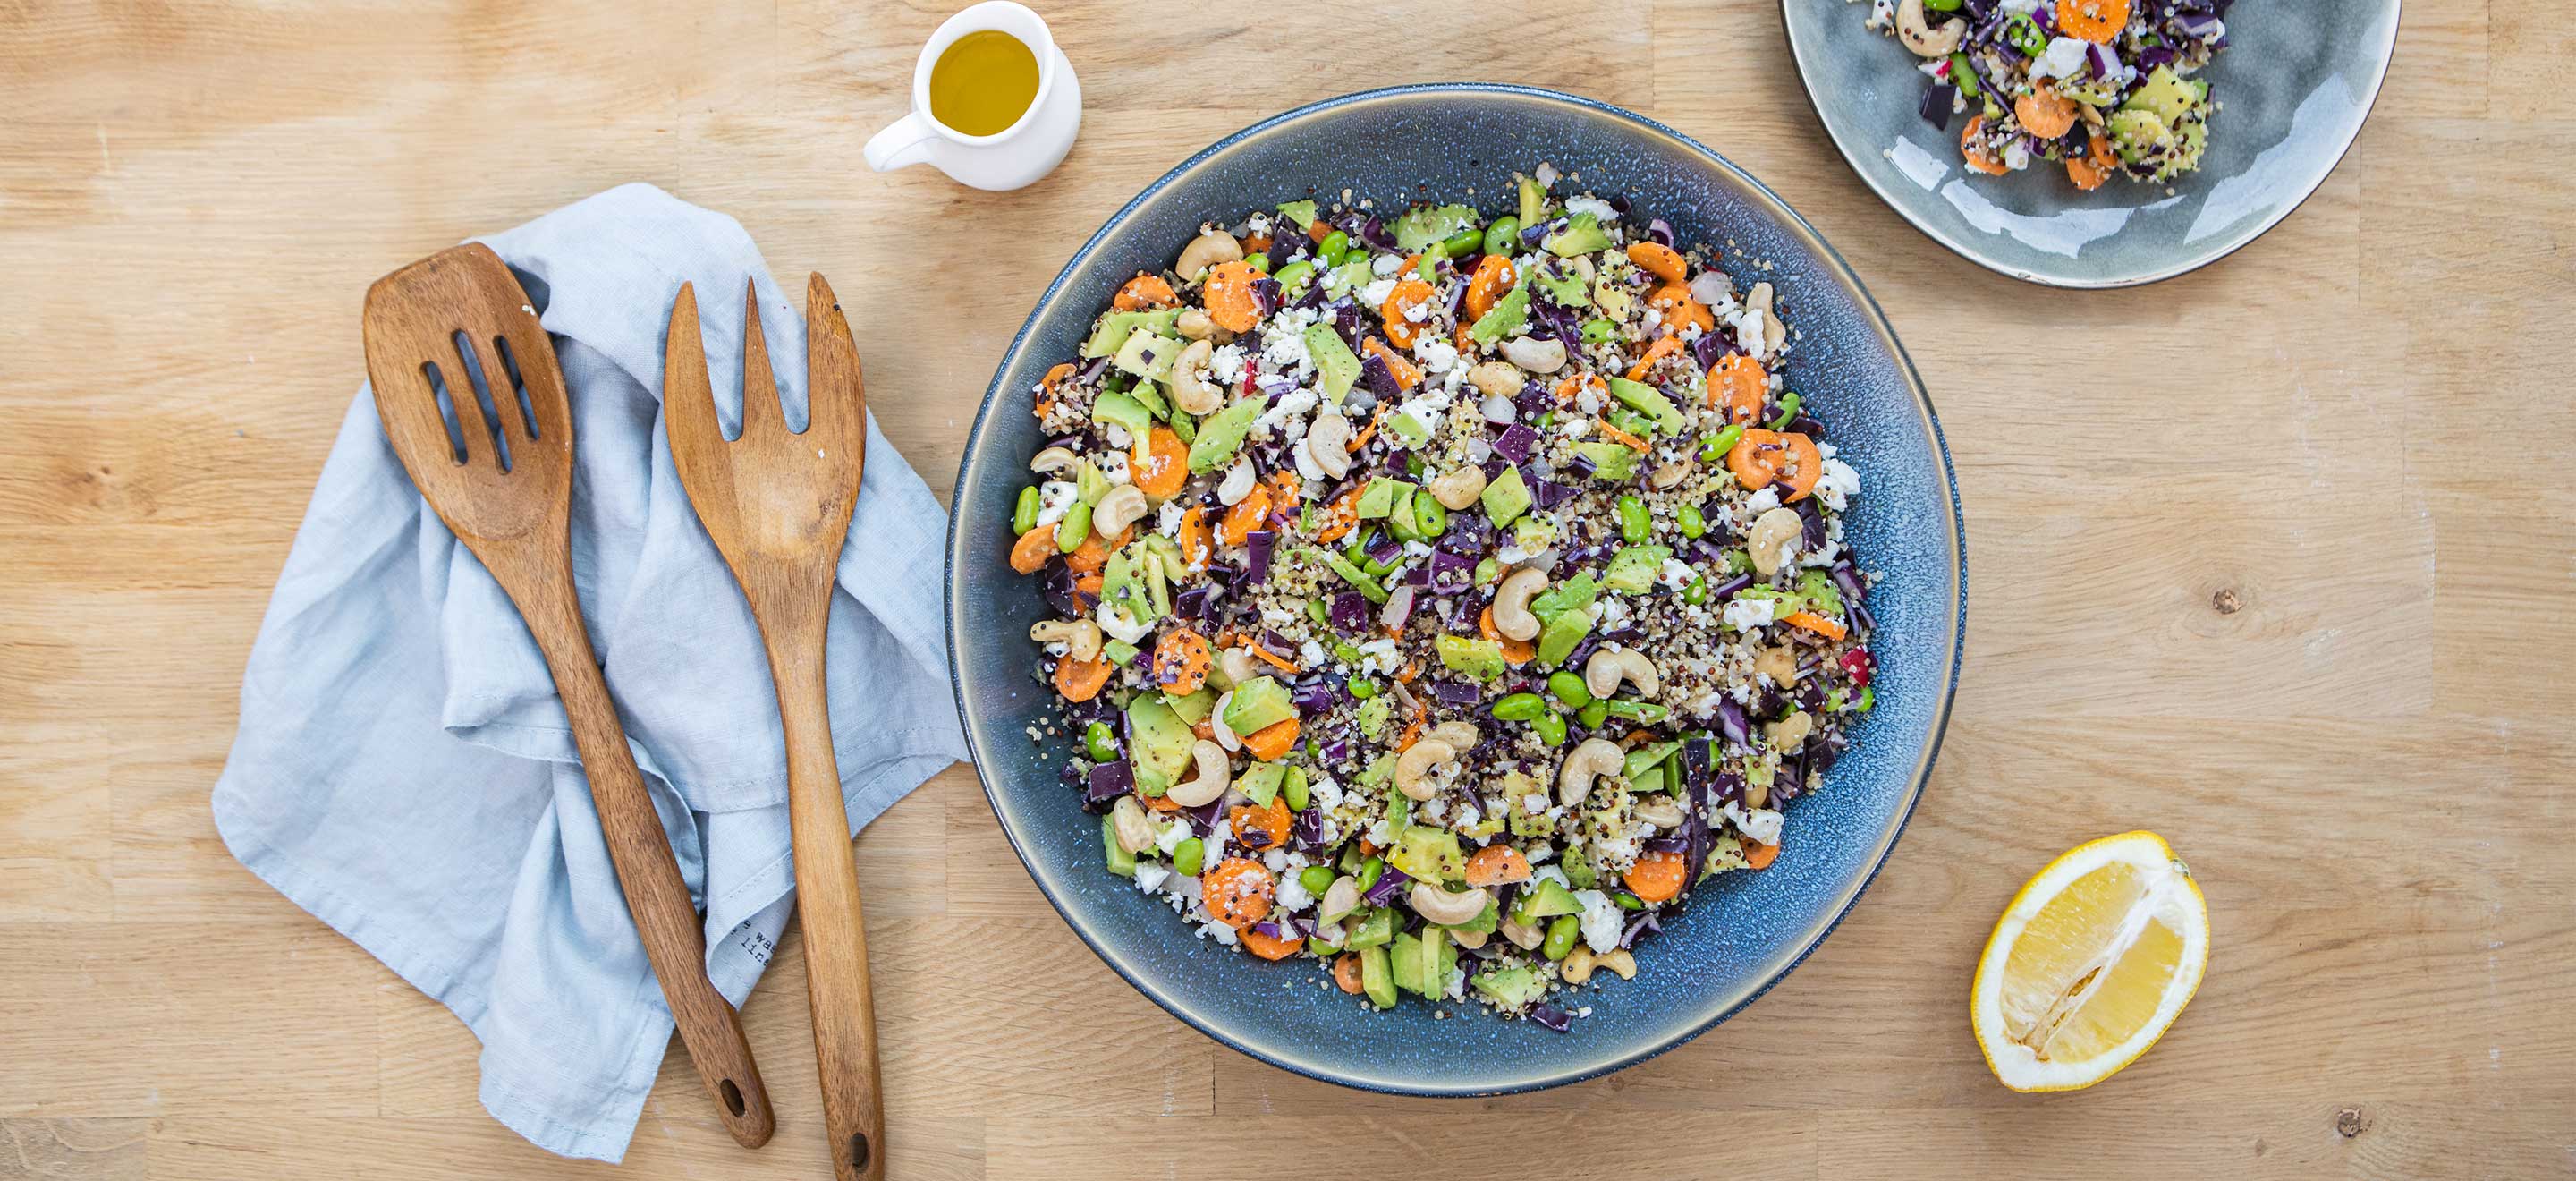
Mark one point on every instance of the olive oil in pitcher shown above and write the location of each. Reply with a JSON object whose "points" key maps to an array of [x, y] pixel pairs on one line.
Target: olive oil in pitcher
{"points": [[983, 83]]}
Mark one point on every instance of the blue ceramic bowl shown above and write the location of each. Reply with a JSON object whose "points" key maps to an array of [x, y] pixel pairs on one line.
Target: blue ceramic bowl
{"points": [[1735, 939], [2294, 85]]}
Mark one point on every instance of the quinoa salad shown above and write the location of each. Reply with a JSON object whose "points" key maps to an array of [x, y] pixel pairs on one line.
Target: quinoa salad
{"points": [[1439, 598], [2098, 86]]}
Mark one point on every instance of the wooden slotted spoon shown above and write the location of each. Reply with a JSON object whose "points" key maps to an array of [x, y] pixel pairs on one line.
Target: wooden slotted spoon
{"points": [[778, 505], [516, 520]]}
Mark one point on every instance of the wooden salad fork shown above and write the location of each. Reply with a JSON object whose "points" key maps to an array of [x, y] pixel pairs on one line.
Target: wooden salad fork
{"points": [[778, 506], [507, 494]]}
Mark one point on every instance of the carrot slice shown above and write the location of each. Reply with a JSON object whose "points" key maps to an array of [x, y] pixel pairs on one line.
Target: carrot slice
{"points": [[1088, 584], [1237, 892], [1274, 660], [1181, 660], [1271, 822], [1680, 308], [1515, 652], [1977, 156], [1657, 877], [1496, 865], [1567, 389], [1166, 466], [1145, 291], [1738, 384], [1761, 457], [1658, 260], [1616, 435], [1093, 553], [1030, 552], [1266, 947], [1319, 229], [1409, 294], [1407, 374], [1272, 743], [2044, 112], [1830, 629], [1346, 972], [1247, 515], [1485, 288], [1757, 854], [1663, 347], [1256, 243], [2092, 169], [1228, 296], [1081, 680], [2097, 21], [1198, 546], [1341, 516]]}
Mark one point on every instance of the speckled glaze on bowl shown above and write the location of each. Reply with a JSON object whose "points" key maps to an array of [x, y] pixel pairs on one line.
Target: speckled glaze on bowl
{"points": [[1736, 939], [2294, 85]]}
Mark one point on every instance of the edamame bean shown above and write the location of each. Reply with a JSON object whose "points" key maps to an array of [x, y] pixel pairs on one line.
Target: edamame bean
{"points": [[1569, 688], [1293, 790], [1316, 879], [1599, 331], [1788, 411], [2024, 34], [1335, 247], [1943, 5], [1721, 443], [1075, 526], [1628, 901], [1504, 235], [1258, 262], [1634, 523], [1101, 741], [1561, 934], [1317, 611], [1362, 688], [1487, 570], [1694, 523], [1370, 870], [1550, 727], [1024, 516], [1292, 278], [1868, 698], [1430, 518], [1644, 711], [1519, 707], [1190, 856], [1696, 592], [1426, 270], [1593, 715], [1963, 76], [1463, 243], [1735, 561]]}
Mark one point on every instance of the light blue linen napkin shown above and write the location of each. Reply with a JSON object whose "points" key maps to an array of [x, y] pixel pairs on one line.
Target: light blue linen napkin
{"points": [[403, 770]]}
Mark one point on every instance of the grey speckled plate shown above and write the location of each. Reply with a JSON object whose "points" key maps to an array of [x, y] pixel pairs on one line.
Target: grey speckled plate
{"points": [[1740, 934], [2295, 83]]}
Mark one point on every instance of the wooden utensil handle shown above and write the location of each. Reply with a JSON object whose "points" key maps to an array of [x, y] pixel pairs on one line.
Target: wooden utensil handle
{"points": [[647, 872], [827, 892]]}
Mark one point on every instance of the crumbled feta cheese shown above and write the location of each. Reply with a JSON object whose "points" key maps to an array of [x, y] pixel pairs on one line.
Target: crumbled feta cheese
{"points": [[1167, 520], [1437, 355], [1374, 295], [1837, 485], [1227, 363], [1386, 264], [1224, 935], [1746, 614], [1295, 405], [1600, 921], [1170, 837], [1762, 502], [1150, 876], [1598, 208], [1761, 824], [1323, 792], [2064, 58], [1292, 894], [1276, 860], [1055, 498]]}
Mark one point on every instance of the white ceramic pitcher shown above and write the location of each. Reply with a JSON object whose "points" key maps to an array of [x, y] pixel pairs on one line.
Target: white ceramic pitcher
{"points": [[1007, 159]]}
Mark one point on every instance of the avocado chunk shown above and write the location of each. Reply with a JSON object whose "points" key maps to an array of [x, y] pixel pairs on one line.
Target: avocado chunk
{"points": [[1379, 498], [2138, 134], [1160, 741], [1377, 977], [1505, 317], [1424, 226], [1195, 707], [1821, 595], [1335, 367], [1486, 920], [1633, 569], [2167, 94], [1428, 854], [1300, 214], [1258, 704], [1610, 461], [1534, 533], [1089, 482], [1123, 585], [1647, 758], [1221, 434], [1547, 901], [1476, 657], [1422, 965], [1261, 781], [1510, 988], [1506, 497], [1149, 355], [1352, 275], [1582, 235], [1373, 716], [1563, 287], [1573, 594], [1404, 428], [1647, 400], [1121, 862], [1125, 412], [1350, 572], [1557, 639], [1150, 396], [1533, 201], [1117, 326], [1578, 867], [1375, 928]]}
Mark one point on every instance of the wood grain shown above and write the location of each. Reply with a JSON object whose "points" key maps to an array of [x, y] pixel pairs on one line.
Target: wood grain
{"points": [[2296, 597]]}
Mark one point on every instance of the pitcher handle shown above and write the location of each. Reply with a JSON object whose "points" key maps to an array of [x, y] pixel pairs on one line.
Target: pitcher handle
{"points": [[904, 143]]}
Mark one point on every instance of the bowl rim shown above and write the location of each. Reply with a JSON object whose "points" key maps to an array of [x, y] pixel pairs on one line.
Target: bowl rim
{"points": [[1798, 50], [1836, 268]]}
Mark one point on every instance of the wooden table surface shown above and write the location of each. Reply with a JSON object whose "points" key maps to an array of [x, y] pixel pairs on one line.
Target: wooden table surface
{"points": [[2294, 593]]}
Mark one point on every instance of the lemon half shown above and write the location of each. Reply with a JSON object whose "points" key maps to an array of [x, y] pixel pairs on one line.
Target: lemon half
{"points": [[2090, 964]]}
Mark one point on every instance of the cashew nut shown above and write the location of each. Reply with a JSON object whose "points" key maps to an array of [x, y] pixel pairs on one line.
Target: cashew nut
{"points": [[1791, 732], [1444, 908], [1660, 811], [1191, 389], [1619, 962], [1775, 336], [1208, 786], [1235, 665], [1413, 767], [1460, 735], [1328, 443], [1080, 637], [1922, 38], [1522, 937], [1237, 483], [1196, 324], [1207, 250], [1459, 487], [1774, 537], [1118, 508], [1134, 829], [1497, 379], [1577, 967], [1535, 353], [1594, 758], [1054, 459], [1340, 899], [1511, 603], [1778, 662], [1465, 938], [1670, 474], [1609, 666]]}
